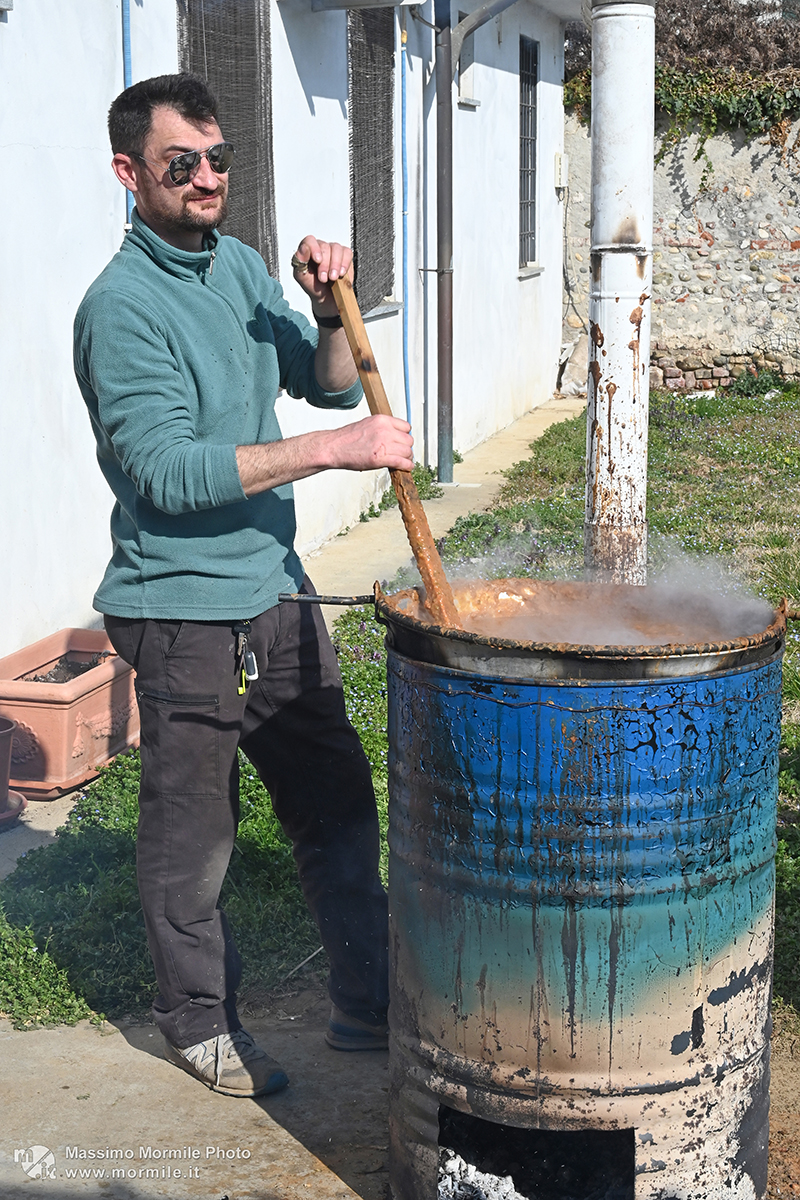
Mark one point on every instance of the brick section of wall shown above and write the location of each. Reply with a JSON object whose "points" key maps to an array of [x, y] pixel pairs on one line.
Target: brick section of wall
{"points": [[680, 368]]}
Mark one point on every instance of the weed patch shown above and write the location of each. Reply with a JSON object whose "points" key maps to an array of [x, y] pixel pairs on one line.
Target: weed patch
{"points": [[427, 488], [33, 990], [80, 898]]}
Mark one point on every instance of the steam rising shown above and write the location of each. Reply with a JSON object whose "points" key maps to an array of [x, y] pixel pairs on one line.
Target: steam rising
{"points": [[688, 600]]}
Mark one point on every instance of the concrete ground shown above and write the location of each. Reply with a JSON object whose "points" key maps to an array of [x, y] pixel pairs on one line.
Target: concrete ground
{"points": [[72, 1094]]}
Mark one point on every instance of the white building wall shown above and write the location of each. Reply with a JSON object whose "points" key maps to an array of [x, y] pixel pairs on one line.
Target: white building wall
{"points": [[506, 329], [507, 324], [64, 220], [312, 195], [62, 214]]}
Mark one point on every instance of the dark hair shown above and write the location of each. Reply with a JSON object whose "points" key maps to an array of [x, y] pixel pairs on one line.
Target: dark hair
{"points": [[131, 114]]}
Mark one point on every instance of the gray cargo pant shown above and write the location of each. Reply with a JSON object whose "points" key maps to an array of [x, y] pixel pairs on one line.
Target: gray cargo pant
{"points": [[293, 727]]}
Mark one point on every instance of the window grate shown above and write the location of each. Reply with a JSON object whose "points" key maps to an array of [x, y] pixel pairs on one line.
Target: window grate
{"points": [[370, 56], [227, 42], [528, 78]]}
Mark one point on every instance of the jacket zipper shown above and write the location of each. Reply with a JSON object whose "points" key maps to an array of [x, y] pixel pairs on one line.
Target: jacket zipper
{"points": [[227, 303]]}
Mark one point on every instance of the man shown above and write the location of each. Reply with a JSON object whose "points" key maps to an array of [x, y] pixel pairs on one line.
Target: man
{"points": [[181, 345]]}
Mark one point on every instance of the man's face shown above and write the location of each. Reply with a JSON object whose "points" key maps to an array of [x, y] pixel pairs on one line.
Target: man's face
{"points": [[179, 214]]}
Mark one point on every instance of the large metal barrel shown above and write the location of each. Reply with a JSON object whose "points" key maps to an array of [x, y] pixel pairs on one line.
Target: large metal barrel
{"points": [[581, 890]]}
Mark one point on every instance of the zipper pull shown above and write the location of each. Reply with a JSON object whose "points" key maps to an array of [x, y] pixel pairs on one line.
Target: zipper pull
{"points": [[211, 262]]}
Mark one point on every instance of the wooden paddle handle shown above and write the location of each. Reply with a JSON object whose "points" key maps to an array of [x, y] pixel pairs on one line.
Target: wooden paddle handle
{"points": [[438, 596]]}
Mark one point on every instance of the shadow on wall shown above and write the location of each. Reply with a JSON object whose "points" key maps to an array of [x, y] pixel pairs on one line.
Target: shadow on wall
{"points": [[318, 45]]}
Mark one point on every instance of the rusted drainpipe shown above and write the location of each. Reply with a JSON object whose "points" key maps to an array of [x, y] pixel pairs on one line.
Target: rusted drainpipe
{"points": [[448, 49], [623, 57]]}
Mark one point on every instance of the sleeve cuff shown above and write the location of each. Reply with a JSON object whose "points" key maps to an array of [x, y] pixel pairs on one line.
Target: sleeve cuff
{"points": [[223, 477], [348, 399]]}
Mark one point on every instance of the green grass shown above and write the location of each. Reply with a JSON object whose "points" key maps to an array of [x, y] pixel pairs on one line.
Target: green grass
{"points": [[33, 990], [80, 896], [427, 489], [724, 477], [362, 660]]}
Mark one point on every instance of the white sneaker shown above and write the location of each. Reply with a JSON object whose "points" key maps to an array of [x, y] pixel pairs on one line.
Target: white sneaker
{"points": [[231, 1063]]}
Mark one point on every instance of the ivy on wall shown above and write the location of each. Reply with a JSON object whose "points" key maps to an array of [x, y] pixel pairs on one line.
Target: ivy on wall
{"points": [[701, 100], [729, 64]]}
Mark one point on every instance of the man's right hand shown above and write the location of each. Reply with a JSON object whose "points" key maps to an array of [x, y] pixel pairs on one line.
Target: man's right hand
{"points": [[366, 445]]}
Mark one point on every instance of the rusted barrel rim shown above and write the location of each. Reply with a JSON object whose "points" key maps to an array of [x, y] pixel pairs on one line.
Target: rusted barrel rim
{"points": [[387, 614]]}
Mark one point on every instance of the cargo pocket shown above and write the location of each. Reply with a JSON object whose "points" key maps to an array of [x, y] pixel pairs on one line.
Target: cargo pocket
{"points": [[179, 744]]}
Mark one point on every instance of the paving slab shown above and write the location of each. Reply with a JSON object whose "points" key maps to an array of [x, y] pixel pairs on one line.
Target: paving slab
{"points": [[96, 1111], [35, 827]]}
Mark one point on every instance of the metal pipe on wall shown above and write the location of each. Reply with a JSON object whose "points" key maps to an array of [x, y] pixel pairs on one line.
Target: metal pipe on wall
{"points": [[444, 239], [448, 49], [623, 68], [127, 79]]}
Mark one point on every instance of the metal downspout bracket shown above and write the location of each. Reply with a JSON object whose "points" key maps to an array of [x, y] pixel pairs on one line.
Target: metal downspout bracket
{"points": [[623, 68]]}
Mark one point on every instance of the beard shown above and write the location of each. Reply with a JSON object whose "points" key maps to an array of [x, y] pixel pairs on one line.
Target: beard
{"points": [[201, 222], [167, 209]]}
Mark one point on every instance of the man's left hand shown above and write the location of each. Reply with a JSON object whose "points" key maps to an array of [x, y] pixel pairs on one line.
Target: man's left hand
{"points": [[325, 261]]}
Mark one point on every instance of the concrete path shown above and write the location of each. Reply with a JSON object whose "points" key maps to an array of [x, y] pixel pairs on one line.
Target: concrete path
{"points": [[99, 1112], [72, 1095]]}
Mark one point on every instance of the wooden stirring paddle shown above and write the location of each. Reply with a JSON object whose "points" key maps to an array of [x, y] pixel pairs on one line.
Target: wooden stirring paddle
{"points": [[438, 596]]}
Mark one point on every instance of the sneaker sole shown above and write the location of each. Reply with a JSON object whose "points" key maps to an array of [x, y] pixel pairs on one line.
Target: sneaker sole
{"points": [[356, 1041], [276, 1082]]}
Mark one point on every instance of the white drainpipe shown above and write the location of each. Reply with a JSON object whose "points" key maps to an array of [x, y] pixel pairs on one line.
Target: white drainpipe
{"points": [[623, 57]]}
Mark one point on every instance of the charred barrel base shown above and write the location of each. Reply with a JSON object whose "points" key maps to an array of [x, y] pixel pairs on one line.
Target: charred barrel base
{"points": [[705, 1140], [581, 897]]}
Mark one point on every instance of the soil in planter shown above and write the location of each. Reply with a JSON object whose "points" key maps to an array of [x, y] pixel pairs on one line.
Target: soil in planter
{"points": [[66, 668]]}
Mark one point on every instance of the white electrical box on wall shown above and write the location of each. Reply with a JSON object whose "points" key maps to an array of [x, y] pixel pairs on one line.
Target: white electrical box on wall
{"points": [[562, 170]]}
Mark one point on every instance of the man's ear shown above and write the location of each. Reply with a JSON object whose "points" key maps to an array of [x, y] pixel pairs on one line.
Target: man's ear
{"points": [[123, 168]]}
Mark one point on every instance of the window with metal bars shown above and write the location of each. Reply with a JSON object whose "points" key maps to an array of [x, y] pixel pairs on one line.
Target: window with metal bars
{"points": [[370, 57], [227, 42], [528, 78]]}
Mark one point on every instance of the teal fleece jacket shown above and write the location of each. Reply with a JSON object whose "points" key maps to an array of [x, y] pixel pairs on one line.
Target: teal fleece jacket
{"points": [[179, 357]]}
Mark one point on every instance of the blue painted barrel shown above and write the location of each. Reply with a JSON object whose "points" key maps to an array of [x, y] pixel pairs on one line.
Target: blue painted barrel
{"points": [[581, 890]]}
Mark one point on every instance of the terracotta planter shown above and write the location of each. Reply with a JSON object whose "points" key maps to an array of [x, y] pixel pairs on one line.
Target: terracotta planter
{"points": [[65, 731], [11, 803]]}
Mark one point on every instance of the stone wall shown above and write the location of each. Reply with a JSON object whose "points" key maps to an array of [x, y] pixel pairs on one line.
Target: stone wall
{"points": [[726, 258]]}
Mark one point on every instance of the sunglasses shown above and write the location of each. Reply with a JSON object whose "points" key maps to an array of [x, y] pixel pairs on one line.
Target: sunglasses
{"points": [[184, 167]]}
